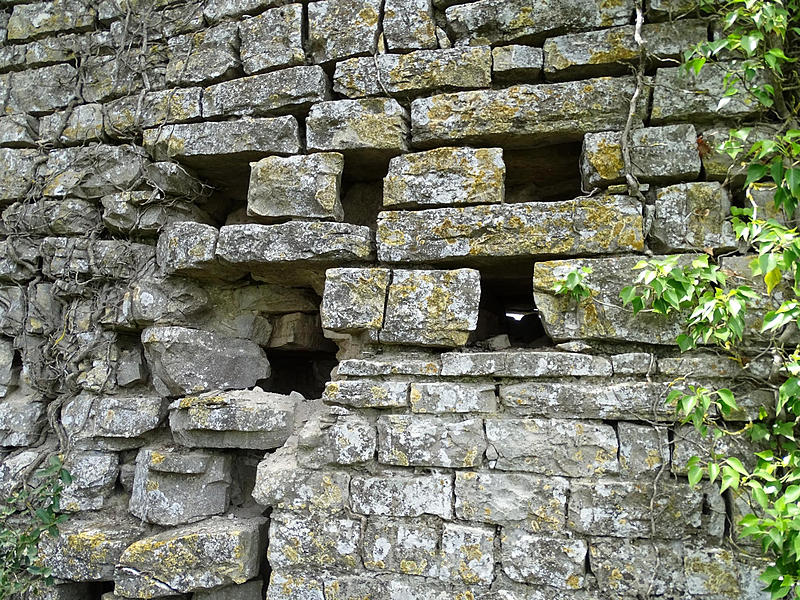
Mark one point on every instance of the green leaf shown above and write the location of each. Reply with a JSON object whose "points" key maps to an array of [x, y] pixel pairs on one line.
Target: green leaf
{"points": [[755, 172], [792, 177], [771, 279], [726, 400], [736, 465], [792, 493], [695, 475], [713, 471], [684, 342]]}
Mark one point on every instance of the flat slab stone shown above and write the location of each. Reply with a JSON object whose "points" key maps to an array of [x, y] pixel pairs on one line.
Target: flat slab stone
{"points": [[441, 397], [402, 496], [30, 21], [39, 91], [366, 393], [530, 363], [430, 441], [607, 224], [523, 115], [517, 63]]}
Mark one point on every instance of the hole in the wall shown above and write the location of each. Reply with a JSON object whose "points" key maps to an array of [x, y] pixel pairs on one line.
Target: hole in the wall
{"points": [[303, 372], [542, 174], [362, 201], [96, 589]]}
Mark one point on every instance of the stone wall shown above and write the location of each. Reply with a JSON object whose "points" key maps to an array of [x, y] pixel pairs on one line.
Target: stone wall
{"points": [[276, 279]]}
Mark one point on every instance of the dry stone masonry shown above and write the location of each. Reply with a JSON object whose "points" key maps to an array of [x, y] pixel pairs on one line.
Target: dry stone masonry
{"points": [[276, 278]]}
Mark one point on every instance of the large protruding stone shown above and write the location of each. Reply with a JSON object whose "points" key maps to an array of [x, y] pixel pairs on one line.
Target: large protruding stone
{"points": [[354, 299]]}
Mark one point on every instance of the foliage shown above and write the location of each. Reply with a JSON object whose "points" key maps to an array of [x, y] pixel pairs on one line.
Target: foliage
{"points": [[26, 515], [574, 284]]}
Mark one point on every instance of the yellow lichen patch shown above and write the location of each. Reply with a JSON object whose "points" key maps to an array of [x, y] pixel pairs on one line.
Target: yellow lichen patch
{"points": [[574, 582], [412, 567], [607, 159]]}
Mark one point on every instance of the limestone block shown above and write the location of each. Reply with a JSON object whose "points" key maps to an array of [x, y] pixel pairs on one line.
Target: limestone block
{"points": [[409, 25], [523, 115], [19, 258], [169, 301], [329, 41], [93, 477], [401, 496], [535, 504], [692, 217], [111, 422], [126, 117], [584, 448], [667, 9], [431, 308], [299, 331], [215, 10], [303, 187], [188, 248], [40, 91], [658, 155], [683, 96], [245, 139], [467, 554], [84, 123], [391, 363], [239, 419], [174, 179], [19, 167], [350, 440], [537, 559], [174, 487], [70, 216], [525, 363], [364, 393], [12, 310], [597, 317], [698, 363], [402, 546], [610, 51], [203, 57], [643, 450], [514, 62], [185, 361], [286, 90], [501, 21], [622, 509], [272, 39], [30, 21], [606, 400], [430, 441], [416, 73], [8, 373], [354, 299], [313, 542], [246, 591], [87, 549], [140, 213], [607, 224], [216, 552], [445, 176], [18, 131], [22, 415], [633, 363], [107, 78], [637, 566], [711, 571], [440, 397]]}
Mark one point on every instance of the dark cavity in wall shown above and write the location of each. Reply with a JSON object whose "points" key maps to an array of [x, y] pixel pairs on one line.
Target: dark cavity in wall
{"points": [[303, 372], [543, 174]]}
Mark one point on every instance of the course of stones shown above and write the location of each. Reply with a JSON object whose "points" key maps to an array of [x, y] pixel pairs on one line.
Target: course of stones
{"points": [[277, 280]]}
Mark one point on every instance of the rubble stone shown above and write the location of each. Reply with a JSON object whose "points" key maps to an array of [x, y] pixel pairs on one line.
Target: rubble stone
{"points": [[93, 477]]}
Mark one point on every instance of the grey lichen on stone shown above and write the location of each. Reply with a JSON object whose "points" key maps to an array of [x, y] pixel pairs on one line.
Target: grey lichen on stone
{"points": [[203, 57], [430, 441], [409, 25], [125, 117], [329, 41], [272, 39], [517, 62], [354, 299]]}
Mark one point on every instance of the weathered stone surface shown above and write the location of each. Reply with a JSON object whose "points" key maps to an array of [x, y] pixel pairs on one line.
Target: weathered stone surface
{"points": [[587, 448], [216, 552], [412, 74], [535, 504], [607, 224], [159, 301], [445, 176], [301, 541], [239, 419], [304, 187], [18, 131], [203, 57], [287, 90], [106, 78], [517, 63], [83, 123], [523, 115], [185, 361], [692, 217], [431, 308], [633, 363], [328, 40], [19, 258], [8, 372], [363, 393], [611, 51], [173, 487], [93, 477], [22, 415], [125, 117], [524, 364], [30, 21], [430, 441], [633, 566], [402, 496], [92, 171], [215, 10], [402, 546], [660, 155], [391, 363], [350, 440], [354, 299], [597, 316], [683, 96], [70, 216], [557, 562], [499, 21], [409, 25], [40, 91], [140, 213], [19, 167], [12, 310], [440, 397], [300, 332], [189, 248], [643, 450], [242, 140], [272, 39], [467, 554], [246, 591]]}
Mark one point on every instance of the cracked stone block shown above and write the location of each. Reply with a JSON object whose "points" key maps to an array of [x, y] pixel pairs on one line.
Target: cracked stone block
{"points": [[445, 177], [430, 441], [659, 155], [391, 363], [185, 361], [250, 419], [440, 397], [301, 187], [93, 477], [632, 567], [467, 554], [216, 552], [402, 546], [364, 393], [313, 542], [272, 39], [204, 57], [30, 21], [608, 224], [537, 559], [535, 504], [173, 487], [420, 72], [431, 308], [126, 117], [643, 450], [510, 63], [692, 217], [109, 259], [327, 39], [524, 115], [111, 422], [84, 123], [287, 90], [585, 448], [144, 214], [501, 21], [401, 496], [409, 25], [41, 91], [19, 168], [70, 216], [22, 416], [354, 299], [18, 131]]}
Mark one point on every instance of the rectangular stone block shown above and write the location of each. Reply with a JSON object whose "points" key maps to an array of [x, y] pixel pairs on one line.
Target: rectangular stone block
{"points": [[541, 560], [329, 41], [84, 123], [203, 57], [313, 542], [467, 554], [354, 300], [19, 168], [521, 63], [444, 177], [402, 496], [607, 225], [643, 450], [552, 446], [525, 363], [430, 441], [440, 397], [410, 547], [409, 25], [391, 363], [634, 567], [126, 117], [364, 393], [272, 39], [18, 131], [302, 187], [29, 21]]}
